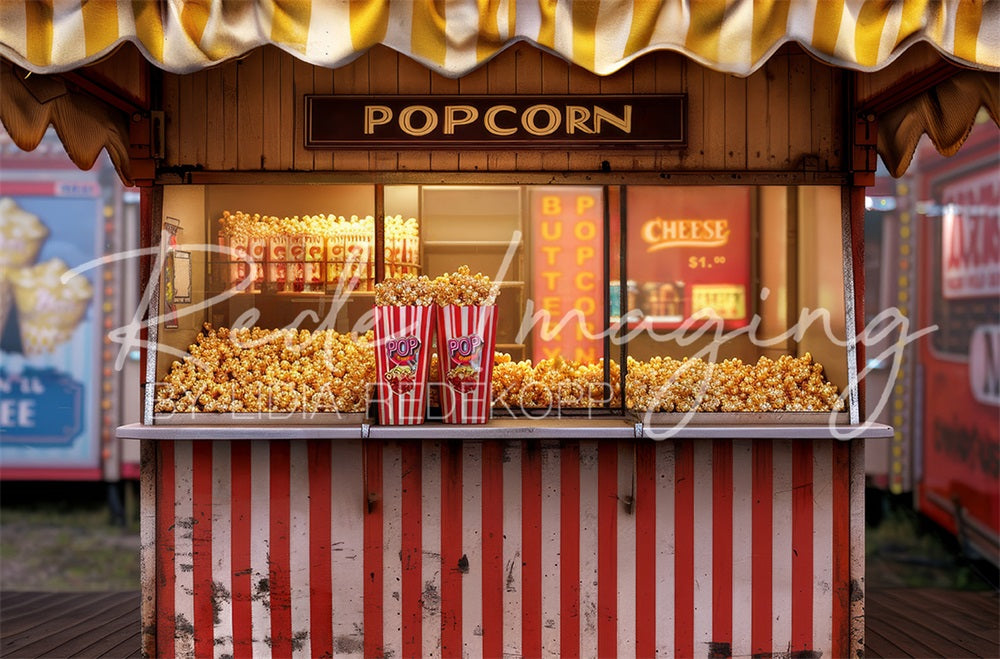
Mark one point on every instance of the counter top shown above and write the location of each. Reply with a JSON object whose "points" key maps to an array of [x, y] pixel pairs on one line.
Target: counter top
{"points": [[565, 428]]}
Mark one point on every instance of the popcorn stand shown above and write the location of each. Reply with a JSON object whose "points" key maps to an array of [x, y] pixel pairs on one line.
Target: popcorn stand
{"points": [[501, 329]]}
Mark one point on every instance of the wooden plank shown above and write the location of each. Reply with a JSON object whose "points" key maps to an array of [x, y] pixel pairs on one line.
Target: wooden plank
{"points": [[383, 79], [440, 159], [189, 132], [501, 78], [302, 84], [963, 618], [758, 120], [28, 618], [555, 80], [582, 81], [230, 116], [286, 111], [914, 633], [736, 123], [475, 82], [250, 93], [670, 79], [214, 119], [714, 132], [172, 134], [799, 122], [694, 83], [413, 78], [778, 111], [102, 632], [529, 81], [351, 79], [322, 84], [821, 111], [878, 646], [41, 624]]}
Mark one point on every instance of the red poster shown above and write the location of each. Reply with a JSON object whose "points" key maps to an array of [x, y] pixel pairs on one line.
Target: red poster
{"points": [[689, 254], [567, 240]]}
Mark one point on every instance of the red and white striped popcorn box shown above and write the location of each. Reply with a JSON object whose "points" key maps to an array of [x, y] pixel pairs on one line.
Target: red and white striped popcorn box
{"points": [[402, 361], [466, 343], [277, 255], [258, 252]]}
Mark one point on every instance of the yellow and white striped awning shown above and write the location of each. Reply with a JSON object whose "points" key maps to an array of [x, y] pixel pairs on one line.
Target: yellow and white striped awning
{"points": [[455, 36]]}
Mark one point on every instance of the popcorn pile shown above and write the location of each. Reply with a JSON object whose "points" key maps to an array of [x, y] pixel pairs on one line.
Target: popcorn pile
{"points": [[461, 288], [259, 370], [791, 384], [464, 289], [553, 382], [404, 290]]}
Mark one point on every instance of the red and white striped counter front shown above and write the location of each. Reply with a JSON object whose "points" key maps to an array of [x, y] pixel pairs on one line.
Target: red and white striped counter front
{"points": [[554, 538]]}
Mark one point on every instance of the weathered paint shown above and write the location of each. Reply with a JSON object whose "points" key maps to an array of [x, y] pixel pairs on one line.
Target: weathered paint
{"points": [[476, 548]]}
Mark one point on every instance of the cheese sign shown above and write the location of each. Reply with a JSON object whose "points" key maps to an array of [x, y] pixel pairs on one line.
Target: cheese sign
{"points": [[486, 122]]}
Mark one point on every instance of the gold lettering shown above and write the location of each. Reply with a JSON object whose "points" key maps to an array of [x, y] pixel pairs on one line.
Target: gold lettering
{"points": [[581, 277], [450, 120], [551, 278], [586, 304], [376, 115], [528, 119], [548, 234], [550, 253], [490, 119], [551, 205], [583, 253], [552, 304], [586, 356], [585, 230], [584, 203], [624, 122], [576, 118], [551, 353], [430, 120]]}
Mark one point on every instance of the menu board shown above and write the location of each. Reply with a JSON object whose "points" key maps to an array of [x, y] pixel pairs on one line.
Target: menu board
{"points": [[689, 254]]}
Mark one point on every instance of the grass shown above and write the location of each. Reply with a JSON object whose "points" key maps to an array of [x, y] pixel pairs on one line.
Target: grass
{"points": [[64, 542], [903, 549]]}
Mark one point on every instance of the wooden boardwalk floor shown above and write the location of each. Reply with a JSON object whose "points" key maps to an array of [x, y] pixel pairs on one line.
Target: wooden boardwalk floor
{"points": [[899, 623], [54, 625]]}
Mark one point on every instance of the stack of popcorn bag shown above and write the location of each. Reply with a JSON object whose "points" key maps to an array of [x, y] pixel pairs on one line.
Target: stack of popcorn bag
{"points": [[404, 321], [21, 236], [467, 327]]}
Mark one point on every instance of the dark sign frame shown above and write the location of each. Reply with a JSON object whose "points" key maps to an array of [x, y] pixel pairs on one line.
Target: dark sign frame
{"points": [[657, 121]]}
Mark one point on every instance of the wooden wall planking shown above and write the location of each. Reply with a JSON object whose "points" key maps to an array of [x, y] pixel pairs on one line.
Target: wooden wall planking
{"points": [[776, 71], [476, 82], [501, 78], [248, 115], [799, 116], [250, 92], [383, 80], [414, 78], [172, 131], [323, 84]]}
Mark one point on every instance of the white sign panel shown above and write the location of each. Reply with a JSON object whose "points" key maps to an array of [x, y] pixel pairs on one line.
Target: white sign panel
{"points": [[984, 364], [970, 256]]}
